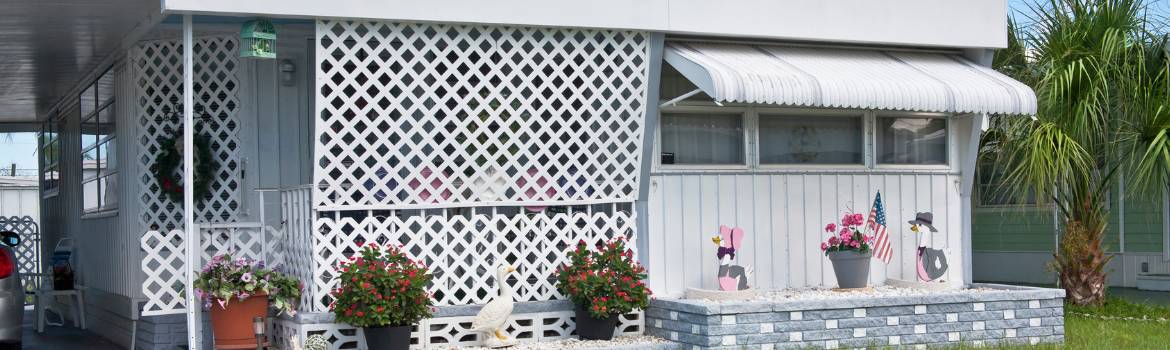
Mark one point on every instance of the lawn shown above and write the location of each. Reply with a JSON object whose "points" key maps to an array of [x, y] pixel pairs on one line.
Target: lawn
{"points": [[1084, 329]]}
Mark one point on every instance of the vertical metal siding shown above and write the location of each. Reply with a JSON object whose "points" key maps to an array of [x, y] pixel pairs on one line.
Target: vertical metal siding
{"points": [[784, 216]]}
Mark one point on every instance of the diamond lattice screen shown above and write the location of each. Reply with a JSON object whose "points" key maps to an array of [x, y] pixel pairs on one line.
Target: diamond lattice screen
{"points": [[444, 115], [462, 249], [158, 79], [158, 84]]}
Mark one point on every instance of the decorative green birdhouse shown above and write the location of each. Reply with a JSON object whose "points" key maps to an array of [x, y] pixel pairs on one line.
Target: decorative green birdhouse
{"points": [[258, 39]]}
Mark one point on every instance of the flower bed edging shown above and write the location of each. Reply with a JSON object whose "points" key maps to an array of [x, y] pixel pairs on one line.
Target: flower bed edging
{"points": [[1009, 314]]}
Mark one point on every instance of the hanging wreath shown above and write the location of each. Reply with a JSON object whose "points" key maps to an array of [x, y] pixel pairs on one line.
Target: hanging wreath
{"points": [[170, 156]]}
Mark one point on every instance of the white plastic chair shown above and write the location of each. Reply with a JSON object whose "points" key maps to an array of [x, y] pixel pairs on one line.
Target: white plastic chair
{"points": [[46, 294]]}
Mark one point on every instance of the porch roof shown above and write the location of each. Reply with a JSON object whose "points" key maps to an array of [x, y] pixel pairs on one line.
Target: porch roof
{"points": [[848, 78]]}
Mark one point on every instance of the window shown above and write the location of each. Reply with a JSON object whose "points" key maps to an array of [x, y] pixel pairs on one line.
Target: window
{"points": [[811, 139], [50, 154], [703, 138], [99, 165], [911, 140]]}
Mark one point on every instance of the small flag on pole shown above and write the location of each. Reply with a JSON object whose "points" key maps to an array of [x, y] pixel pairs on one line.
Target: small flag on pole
{"points": [[877, 223]]}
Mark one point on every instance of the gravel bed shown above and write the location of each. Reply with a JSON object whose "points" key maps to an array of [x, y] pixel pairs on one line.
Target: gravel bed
{"points": [[799, 294], [618, 342]]}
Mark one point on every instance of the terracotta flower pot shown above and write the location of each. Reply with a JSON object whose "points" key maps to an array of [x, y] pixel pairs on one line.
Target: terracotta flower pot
{"points": [[387, 337], [589, 328], [232, 326], [851, 268]]}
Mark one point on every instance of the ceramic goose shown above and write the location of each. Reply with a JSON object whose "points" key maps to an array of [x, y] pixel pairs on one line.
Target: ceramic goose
{"points": [[494, 315]]}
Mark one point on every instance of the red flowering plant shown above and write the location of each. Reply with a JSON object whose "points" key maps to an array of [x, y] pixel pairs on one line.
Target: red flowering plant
{"points": [[606, 281], [848, 237], [382, 287]]}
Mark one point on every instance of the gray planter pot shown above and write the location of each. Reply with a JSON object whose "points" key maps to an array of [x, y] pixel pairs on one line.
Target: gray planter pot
{"points": [[851, 268]]}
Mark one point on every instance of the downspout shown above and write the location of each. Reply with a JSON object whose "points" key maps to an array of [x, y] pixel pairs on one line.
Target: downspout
{"points": [[649, 129]]}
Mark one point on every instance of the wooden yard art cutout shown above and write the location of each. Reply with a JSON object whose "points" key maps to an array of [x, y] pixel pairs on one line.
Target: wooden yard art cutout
{"points": [[731, 277], [931, 263]]}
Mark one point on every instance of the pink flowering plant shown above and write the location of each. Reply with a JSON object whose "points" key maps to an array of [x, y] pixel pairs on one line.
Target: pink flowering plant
{"points": [[605, 281], [224, 279], [382, 286], [848, 236]]}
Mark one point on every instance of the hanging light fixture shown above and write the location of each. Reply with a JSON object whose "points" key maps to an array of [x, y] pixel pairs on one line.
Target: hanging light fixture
{"points": [[258, 39]]}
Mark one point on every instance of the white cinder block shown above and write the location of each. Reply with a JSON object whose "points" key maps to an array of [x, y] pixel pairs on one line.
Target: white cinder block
{"points": [[674, 315], [1009, 314], [858, 312], [729, 340], [658, 323], [977, 343], [978, 326], [674, 336], [1034, 340], [1034, 322], [768, 347], [1011, 333], [728, 319], [767, 328], [895, 340], [831, 344], [919, 309], [831, 324], [1034, 304], [979, 306], [795, 316], [919, 329], [952, 317], [859, 332], [953, 336], [890, 321], [695, 329], [796, 336]]}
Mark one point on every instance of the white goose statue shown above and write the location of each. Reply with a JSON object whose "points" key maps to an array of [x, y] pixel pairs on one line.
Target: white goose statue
{"points": [[492, 318]]}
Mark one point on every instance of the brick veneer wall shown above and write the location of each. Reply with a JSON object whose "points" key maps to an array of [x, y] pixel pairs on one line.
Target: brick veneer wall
{"points": [[1008, 315]]}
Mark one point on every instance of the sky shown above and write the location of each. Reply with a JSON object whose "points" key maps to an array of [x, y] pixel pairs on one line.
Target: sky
{"points": [[20, 148]]}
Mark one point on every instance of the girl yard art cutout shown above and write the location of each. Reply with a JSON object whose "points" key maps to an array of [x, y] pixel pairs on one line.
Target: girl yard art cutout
{"points": [[731, 277], [932, 263]]}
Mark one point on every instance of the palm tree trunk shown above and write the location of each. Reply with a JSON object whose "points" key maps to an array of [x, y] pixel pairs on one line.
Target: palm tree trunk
{"points": [[1081, 263]]}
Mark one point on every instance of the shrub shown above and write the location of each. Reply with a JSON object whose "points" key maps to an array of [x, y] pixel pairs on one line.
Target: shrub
{"points": [[382, 287], [606, 281], [224, 278]]}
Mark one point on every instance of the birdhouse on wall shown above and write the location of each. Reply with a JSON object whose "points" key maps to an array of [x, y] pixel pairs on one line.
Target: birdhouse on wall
{"points": [[258, 39]]}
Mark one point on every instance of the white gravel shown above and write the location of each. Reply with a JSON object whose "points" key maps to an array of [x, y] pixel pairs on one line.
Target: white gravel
{"points": [[799, 294], [618, 342]]}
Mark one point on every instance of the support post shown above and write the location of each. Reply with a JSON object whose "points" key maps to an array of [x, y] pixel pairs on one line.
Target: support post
{"points": [[967, 187], [194, 339], [649, 130]]}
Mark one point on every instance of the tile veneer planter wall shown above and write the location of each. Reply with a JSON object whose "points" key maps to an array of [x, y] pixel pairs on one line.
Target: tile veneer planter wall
{"points": [[1008, 315]]}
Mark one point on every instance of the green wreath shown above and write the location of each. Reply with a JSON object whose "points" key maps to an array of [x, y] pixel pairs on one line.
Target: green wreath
{"points": [[171, 156]]}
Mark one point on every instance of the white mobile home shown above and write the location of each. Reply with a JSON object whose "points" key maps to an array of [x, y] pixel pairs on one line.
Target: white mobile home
{"points": [[472, 133]]}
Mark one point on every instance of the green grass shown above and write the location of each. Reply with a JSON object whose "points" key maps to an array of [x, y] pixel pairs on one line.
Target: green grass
{"points": [[1090, 333]]}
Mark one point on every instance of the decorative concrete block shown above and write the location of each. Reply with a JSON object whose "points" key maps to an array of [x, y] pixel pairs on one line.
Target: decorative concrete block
{"points": [[859, 312], [953, 317], [919, 329], [791, 326], [796, 336], [978, 307], [1033, 304], [858, 332], [1034, 331], [892, 321], [1030, 313], [980, 316], [978, 326], [919, 309], [796, 316], [828, 334], [830, 324], [947, 327], [890, 310], [831, 344], [921, 319], [766, 328], [761, 317], [728, 319], [828, 314], [861, 322], [895, 340], [729, 340], [1034, 322], [1009, 314], [944, 308], [770, 338], [953, 336]]}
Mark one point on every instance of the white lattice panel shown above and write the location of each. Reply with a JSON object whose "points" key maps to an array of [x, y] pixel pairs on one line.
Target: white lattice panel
{"points": [[28, 253], [158, 80], [449, 332], [297, 224], [414, 115], [461, 249]]}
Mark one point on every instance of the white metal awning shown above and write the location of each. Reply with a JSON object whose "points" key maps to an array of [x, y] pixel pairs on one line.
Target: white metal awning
{"points": [[847, 78]]}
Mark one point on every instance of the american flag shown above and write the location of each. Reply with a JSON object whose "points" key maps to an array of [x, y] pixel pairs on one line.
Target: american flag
{"points": [[877, 223]]}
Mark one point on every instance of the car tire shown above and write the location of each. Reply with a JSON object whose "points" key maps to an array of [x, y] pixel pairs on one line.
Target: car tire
{"points": [[10, 346]]}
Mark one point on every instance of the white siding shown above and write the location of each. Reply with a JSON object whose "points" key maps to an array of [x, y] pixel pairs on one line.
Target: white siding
{"points": [[20, 201], [784, 214]]}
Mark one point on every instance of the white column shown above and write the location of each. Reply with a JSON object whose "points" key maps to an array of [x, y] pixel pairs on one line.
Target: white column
{"points": [[967, 184], [194, 339]]}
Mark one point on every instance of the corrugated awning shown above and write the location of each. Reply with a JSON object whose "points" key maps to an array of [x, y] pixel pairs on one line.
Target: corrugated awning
{"points": [[846, 78]]}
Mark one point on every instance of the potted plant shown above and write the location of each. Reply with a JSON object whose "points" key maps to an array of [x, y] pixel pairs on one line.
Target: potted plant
{"points": [[384, 292], [602, 284], [849, 251], [239, 290]]}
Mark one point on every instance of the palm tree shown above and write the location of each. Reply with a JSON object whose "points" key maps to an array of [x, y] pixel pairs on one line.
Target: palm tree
{"points": [[1101, 79]]}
